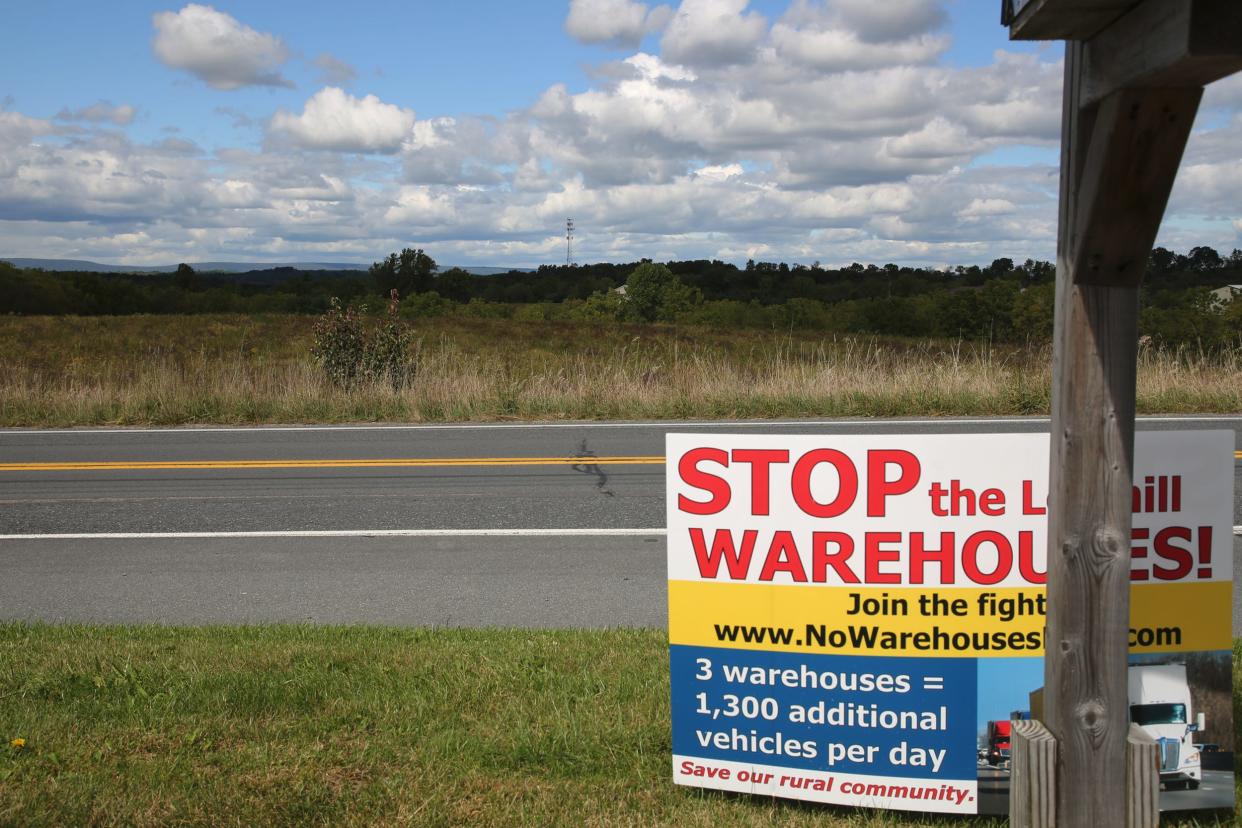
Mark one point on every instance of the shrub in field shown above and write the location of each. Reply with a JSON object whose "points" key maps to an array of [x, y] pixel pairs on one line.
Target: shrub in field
{"points": [[339, 343], [602, 306], [425, 305], [386, 351], [350, 350]]}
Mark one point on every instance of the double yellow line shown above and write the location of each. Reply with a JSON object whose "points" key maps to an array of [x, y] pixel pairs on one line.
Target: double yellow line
{"points": [[401, 462], [391, 463]]}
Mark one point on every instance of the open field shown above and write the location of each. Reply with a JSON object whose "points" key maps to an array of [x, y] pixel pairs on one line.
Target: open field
{"points": [[308, 725], [62, 371]]}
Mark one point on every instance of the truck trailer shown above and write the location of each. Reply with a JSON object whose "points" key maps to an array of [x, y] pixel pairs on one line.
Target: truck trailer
{"points": [[1160, 705], [999, 734]]}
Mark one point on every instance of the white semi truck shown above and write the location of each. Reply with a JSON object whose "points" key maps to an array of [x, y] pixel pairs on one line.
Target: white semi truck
{"points": [[1160, 705]]}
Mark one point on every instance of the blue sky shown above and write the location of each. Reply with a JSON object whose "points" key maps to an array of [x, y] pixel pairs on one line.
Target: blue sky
{"points": [[1005, 685], [830, 130]]}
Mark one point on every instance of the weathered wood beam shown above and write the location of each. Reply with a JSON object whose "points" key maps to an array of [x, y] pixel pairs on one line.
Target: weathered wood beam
{"points": [[1065, 19], [1092, 462], [1142, 779], [1032, 788], [1165, 44], [1033, 781], [1135, 147]]}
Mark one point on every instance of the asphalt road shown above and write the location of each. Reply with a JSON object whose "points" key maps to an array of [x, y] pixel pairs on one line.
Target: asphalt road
{"points": [[1216, 791], [424, 479]]}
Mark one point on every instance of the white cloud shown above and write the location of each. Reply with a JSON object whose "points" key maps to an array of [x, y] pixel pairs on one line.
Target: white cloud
{"points": [[713, 33], [852, 35], [620, 22], [17, 129], [335, 120], [122, 115], [981, 207], [333, 71], [882, 21], [838, 133], [415, 207], [217, 49], [938, 138], [719, 172]]}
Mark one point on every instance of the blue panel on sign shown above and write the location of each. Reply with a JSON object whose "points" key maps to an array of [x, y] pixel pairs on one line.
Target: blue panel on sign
{"points": [[903, 717]]}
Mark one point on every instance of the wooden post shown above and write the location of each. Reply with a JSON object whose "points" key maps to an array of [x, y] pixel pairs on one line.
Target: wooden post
{"points": [[1118, 162], [1134, 75], [1089, 508], [1033, 782], [1142, 779]]}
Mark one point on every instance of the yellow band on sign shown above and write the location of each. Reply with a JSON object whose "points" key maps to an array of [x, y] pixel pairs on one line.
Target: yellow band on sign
{"points": [[930, 622]]}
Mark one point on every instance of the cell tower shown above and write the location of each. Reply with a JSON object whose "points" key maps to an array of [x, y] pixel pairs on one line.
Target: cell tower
{"points": [[569, 242]]}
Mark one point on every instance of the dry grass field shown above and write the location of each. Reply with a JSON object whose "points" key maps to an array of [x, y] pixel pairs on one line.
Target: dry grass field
{"points": [[139, 370]]}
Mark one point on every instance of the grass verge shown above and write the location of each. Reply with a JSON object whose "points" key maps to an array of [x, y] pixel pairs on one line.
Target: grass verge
{"points": [[284, 725], [170, 370]]}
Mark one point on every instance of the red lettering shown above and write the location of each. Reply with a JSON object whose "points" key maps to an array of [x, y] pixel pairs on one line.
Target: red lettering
{"points": [[1026, 559], [1181, 558], [822, 559], [921, 556], [847, 488], [879, 487], [738, 562], [1028, 502], [1205, 552], [692, 475], [783, 557], [1137, 552], [760, 460], [992, 502], [875, 556], [970, 557]]}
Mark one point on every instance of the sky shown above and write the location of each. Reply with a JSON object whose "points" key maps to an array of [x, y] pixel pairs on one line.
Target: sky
{"points": [[831, 131], [1005, 685]]}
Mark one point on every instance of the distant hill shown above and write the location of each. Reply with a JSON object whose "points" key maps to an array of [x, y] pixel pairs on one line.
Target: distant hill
{"points": [[220, 267], [202, 267]]}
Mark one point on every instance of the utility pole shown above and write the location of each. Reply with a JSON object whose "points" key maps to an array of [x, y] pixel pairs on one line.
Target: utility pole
{"points": [[569, 242]]}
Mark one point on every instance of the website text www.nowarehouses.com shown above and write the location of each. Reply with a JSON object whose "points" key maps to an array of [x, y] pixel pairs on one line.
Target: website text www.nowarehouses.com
{"points": [[934, 640]]}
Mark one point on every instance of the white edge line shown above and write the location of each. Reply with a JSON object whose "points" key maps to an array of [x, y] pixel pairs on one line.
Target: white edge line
{"points": [[346, 533], [670, 425]]}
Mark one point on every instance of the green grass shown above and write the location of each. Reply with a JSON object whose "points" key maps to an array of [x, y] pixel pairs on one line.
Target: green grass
{"points": [[285, 725], [231, 369]]}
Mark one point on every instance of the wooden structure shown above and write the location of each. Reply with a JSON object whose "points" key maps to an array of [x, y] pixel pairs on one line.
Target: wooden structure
{"points": [[1134, 75], [1033, 768]]}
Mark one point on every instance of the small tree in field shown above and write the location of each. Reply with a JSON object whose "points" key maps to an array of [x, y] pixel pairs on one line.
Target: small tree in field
{"points": [[654, 294], [408, 272], [350, 351], [386, 354]]}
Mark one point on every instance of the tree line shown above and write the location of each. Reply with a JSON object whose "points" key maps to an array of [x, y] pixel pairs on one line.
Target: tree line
{"points": [[1003, 301]]}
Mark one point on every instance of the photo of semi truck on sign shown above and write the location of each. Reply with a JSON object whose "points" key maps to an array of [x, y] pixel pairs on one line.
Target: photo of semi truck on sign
{"points": [[998, 742], [1167, 695], [1160, 704]]}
